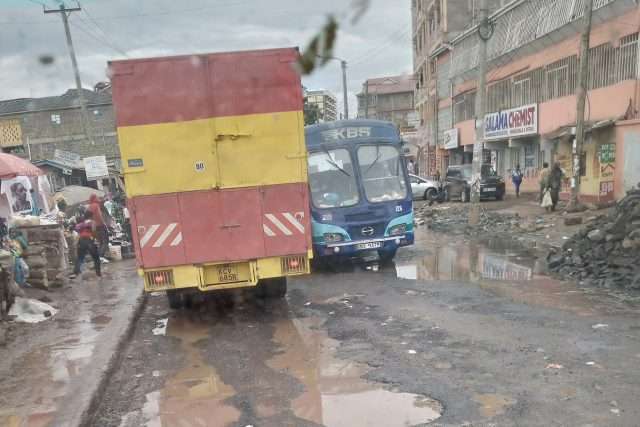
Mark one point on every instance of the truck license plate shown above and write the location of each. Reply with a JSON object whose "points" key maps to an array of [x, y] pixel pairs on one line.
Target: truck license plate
{"points": [[227, 273], [489, 189], [369, 245]]}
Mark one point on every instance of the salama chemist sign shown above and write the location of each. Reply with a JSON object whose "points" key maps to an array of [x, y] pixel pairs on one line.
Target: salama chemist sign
{"points": [[509, 123]]}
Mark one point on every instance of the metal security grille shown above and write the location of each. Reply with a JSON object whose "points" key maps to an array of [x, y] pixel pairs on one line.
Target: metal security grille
{"points": [[499, 96], [464, 107], [561, 78], [10, 133], [602, 66], [628, 57]]}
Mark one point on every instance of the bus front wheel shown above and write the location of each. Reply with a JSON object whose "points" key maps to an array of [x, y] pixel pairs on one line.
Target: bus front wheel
{"points": [[273, 288], [386, 256]]}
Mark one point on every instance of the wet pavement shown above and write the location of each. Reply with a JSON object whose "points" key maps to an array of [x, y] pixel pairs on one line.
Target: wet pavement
{"points": [[455, 333], [50, 370]]}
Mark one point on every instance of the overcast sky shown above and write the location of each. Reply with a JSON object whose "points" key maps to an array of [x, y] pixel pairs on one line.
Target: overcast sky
{"points": [[378, 44]]}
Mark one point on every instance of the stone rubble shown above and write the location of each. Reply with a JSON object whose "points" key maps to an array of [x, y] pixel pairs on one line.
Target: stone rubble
{"points": [[606, 252]]}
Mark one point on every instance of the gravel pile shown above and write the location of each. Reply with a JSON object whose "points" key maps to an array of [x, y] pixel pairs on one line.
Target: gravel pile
{"points": [[607, 251]]}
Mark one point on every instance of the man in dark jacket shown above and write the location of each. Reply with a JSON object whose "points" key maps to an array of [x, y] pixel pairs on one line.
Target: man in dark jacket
{"points": [[555, 183]]}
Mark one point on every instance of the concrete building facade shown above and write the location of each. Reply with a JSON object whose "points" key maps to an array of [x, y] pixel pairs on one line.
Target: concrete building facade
{"points": [[326, 103], [35, 127], [389, 98], [531, 94]]}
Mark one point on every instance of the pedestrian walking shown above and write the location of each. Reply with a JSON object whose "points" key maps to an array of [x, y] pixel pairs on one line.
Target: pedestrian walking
{"points": [[411, 167], [87, 231], [544, 179], [555, 182], [516, 178], [102, 233]]}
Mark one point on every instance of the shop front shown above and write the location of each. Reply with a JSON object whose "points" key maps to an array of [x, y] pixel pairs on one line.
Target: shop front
{"points": [[511, 140], [454, 153]]}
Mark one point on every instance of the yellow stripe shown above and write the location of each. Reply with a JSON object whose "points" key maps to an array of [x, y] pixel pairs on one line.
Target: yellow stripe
{"points": [[224, 152]]}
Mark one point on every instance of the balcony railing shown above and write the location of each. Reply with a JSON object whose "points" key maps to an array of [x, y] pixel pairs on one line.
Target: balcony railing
{"points": [[517, 25]]}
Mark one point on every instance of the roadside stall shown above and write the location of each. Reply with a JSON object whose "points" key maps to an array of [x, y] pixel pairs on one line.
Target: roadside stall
{"points": [[33, 249]]}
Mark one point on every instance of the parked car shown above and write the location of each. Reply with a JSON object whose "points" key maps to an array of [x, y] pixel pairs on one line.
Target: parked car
{"points": [[458, 183], [422, 188]]}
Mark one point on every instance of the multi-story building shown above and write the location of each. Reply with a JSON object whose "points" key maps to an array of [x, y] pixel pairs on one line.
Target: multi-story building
{"points": [[36, 127], [531, 93], [435, 23], [326, 103], [389, 98]]}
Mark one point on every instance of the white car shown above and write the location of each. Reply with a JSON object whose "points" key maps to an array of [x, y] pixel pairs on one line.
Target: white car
{"points": [[422, 188]]}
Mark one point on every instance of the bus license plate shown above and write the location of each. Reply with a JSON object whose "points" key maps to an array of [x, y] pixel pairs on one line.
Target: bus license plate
{"points": [[227, 273], [370, 245]]}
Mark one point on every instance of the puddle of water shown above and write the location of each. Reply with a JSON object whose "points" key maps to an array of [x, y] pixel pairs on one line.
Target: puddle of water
{"points": [[505, 269], [335, 394], [195, 392], [37, 402]]}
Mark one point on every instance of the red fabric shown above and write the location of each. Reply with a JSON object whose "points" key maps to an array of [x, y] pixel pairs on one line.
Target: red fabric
{"points": [[85, 229], [96, 210], [12, 166]]}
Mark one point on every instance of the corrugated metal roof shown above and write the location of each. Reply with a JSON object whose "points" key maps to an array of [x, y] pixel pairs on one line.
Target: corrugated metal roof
{"points": [[68, 100]]}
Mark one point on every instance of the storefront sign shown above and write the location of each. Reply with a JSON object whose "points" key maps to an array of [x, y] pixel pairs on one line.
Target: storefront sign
{"points": [[607, 160], [67, 158], [511, 123], [451, 139], [606, 188], [96, 167]]}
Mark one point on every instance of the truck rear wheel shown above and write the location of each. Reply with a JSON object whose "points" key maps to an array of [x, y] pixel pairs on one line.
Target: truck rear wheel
{"points": [[273, 288], [176, 299]]}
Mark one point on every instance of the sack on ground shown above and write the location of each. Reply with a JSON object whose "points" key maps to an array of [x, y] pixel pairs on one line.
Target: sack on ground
{"points": [[546, 200]]}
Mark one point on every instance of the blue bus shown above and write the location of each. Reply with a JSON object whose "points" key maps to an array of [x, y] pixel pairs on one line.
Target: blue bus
{"points": [[360, 192]]}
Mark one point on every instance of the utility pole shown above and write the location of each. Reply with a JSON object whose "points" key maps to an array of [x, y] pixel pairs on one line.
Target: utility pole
{"points": [[366, 99], [64, 13], [343, 63], [583, 74], [485, 31]]}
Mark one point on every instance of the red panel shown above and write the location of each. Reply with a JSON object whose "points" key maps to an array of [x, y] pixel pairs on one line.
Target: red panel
{"points": [[286, 219], [199, 227], [172, 89], [254, 83], [160, 91], [203, 235], [157, 231]]}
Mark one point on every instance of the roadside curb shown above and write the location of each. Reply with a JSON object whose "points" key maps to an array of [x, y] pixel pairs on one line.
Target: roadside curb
{"points": [[86, 417]]}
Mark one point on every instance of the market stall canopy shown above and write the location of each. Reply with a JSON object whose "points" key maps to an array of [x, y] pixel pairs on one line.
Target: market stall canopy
{"points": [[77, 194], [12, 166]]}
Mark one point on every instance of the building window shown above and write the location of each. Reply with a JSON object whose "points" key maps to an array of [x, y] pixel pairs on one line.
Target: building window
{"points": [[522, 92], [557, 81], [628, 63], [56, 119], [530, 156]]}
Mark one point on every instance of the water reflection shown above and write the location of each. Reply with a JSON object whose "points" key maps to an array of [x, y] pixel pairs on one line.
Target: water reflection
{"points": [[335, 394]]}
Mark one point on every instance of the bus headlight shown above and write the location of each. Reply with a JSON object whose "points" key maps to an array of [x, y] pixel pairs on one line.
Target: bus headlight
{"points": [[333, 237], [397, 230]]}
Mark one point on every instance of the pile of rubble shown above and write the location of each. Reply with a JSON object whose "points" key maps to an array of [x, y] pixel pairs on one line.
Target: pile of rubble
{"points": [[607, 251]]}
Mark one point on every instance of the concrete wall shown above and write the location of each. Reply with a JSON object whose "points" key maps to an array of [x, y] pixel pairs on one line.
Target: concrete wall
{"points": [[44, 136], [627, 174]]}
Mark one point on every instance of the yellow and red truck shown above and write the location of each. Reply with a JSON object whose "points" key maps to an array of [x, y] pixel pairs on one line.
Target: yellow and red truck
{"points": [[215, 169]]}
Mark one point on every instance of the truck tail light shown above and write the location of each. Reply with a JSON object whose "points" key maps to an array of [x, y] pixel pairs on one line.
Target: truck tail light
{"points": [[160, 278], [296, 264]]}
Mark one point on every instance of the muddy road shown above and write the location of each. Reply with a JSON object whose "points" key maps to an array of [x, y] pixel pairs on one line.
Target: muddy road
{"points": [[455, 333]]}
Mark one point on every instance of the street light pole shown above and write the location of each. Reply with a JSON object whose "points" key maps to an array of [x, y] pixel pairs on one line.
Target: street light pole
{"points": [[343, 63]]}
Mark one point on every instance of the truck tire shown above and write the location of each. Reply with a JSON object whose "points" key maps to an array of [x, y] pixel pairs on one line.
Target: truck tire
{"points": [[176, 300], [275, 287]]}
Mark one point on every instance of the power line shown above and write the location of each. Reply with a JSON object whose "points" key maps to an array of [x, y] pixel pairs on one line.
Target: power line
{"points": [[99, 40], [377, 50]]}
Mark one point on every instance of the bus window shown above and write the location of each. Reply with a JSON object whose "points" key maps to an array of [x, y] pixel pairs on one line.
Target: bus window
{"points": [[381, 170], [332, 179]]}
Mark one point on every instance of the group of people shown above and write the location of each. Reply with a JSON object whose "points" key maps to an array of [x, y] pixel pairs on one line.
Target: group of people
{"points": [[550, 180]]}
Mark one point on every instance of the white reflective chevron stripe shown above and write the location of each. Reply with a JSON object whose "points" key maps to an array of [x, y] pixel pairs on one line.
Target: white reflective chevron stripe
{"points": [[278, 224], [177, 240], [292, 219], [269, 232], [148, 235], [165, 234]]}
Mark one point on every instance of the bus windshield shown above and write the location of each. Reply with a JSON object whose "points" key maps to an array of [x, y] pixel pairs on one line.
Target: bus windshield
{"points": [[332, 179], [382, 173]]}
